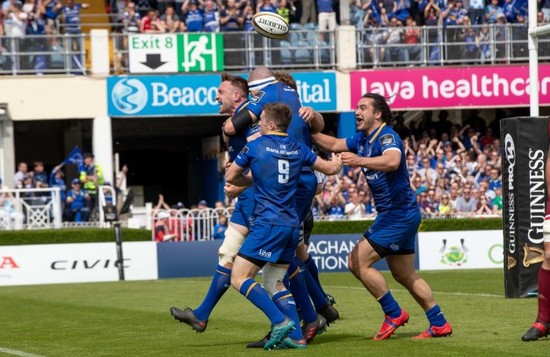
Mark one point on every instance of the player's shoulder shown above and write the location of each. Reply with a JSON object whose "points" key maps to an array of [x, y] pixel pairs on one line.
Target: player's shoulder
{"points": [[388, 136]]}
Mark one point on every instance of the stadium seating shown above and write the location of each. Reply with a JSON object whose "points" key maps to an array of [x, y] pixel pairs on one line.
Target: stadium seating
{"points": [[286, 52]]}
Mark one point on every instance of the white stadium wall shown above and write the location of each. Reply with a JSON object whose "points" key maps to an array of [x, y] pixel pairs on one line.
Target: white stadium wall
{"points": [[54, 97]]}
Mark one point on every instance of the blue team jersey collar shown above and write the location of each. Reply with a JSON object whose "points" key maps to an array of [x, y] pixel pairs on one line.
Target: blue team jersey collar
{"points": [[241, 106], [279, 133], [261, 83], [374, 134]]}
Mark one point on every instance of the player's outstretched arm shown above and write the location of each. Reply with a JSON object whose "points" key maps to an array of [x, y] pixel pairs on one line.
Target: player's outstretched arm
{"points": [[235, 176], [329, 143], [329, 167], [388, 161]]}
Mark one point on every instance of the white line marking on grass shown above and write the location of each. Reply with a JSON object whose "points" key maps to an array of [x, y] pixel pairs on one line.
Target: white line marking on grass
{"points": [[456, 293], [18, 353]]}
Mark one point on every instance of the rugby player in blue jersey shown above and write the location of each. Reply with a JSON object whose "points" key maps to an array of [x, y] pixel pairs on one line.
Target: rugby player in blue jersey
{"points": [[265, 88], [276, 161], [232, 96], [379, 151]]}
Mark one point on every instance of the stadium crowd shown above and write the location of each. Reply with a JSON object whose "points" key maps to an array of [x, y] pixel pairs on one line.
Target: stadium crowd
{"points": [[455, 171], [469, 23]]}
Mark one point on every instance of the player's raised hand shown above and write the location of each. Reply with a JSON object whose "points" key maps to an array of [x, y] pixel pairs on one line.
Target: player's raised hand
{"points": [[307, 113]]}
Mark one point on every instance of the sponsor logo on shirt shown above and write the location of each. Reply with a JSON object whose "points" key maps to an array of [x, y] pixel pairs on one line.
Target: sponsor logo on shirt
{"points": [[257, 97], [387, 139]]}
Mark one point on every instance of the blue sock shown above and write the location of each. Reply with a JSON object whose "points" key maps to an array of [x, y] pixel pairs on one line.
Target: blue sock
{"points": [[286, 304], [389, 305], [256, 293], [435, 316], [317, 295], [299, 290], [312, 268], [220, 283]]}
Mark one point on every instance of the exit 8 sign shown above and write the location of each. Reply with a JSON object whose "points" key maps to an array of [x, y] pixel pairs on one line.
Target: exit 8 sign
{"points": [[173, 53]]}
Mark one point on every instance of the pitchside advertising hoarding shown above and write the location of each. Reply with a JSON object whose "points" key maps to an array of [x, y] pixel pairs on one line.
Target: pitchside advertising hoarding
{"points": [[96, 262], [436, 251], [460, 250], [184, 95], [435, 88], [524, 144], [75, 263]]}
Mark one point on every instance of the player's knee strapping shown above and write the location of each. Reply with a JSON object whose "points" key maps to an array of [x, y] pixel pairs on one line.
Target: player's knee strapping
{"points": [[231, 244], [272, 275]]}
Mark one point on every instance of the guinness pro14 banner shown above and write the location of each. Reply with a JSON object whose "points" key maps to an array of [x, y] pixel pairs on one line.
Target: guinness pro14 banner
{"points": [[524, 144]]}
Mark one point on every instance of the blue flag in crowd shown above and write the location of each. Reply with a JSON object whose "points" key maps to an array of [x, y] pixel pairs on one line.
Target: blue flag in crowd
{"points": [[75, 157]]}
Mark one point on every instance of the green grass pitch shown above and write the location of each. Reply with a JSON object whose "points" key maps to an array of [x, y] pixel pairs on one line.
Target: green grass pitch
{"points": [[132, 319]]}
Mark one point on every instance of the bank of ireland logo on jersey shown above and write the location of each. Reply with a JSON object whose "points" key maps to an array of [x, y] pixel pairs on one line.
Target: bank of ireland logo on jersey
{"points": [[201, 52], [129, 95]]}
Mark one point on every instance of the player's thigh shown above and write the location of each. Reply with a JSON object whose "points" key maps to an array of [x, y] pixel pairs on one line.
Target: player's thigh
{"points": [[362, 255]]}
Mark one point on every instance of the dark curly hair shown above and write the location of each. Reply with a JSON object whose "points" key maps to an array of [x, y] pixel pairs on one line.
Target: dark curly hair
{"points": [[380, 103]]}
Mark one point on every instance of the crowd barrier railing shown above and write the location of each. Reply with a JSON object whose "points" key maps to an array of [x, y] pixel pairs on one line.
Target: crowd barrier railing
{"points": [[449, 45], [43, 54], [37, 208], [189, 224], [303, 49], [198, 224]]}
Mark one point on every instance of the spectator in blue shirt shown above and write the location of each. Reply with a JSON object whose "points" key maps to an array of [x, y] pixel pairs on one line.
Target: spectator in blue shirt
{"points": [[494, 179], [53, 8], [231, 17], [336, 207], [211, 15], [220, 228], [248, 13], [193, 16], [266, 6], [78, 203], [492, 11], [71, 15]]}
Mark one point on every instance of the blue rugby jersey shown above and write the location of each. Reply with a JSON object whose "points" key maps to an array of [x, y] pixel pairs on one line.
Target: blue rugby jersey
{"points": [[390, 190], [194, 20], [277, 91], [276, 161]]}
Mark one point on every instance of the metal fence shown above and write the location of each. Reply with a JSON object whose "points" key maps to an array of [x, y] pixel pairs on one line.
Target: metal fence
{"points": [[303, 49], [450, 45], [43, 54], [190, 224]]}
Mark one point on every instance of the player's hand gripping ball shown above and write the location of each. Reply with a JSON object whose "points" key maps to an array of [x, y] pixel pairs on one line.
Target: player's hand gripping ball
{"points": [[270, 25]]}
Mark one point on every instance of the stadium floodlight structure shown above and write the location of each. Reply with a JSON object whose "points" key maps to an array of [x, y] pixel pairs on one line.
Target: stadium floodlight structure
{"points": [[534, 32]]}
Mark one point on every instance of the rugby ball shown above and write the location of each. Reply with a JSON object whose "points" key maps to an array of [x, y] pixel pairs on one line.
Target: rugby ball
{"points": [[270, 24]]}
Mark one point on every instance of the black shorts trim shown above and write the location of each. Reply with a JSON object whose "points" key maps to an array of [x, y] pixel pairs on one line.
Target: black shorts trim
{"points": [[257, 262], [383, 251]]}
